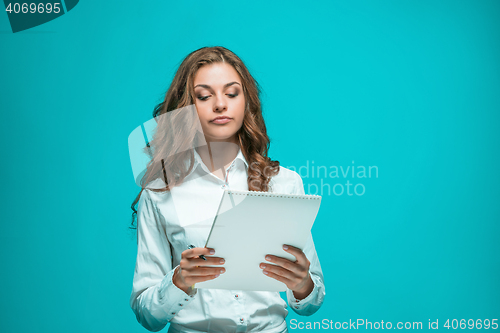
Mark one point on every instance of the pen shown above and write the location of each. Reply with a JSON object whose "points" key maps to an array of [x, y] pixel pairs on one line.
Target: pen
{"points": [[201, 256]]}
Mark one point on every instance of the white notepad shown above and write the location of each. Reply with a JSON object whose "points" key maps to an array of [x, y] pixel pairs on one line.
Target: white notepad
{"points": [[251, 224]]}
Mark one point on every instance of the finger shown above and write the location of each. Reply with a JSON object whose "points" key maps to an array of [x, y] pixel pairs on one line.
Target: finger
{"points": [[211, 261], [199, 271], [196, 262], [278, 277], [197, 251], [278, 270], [283, 262], [296, 252], [197, 279]]}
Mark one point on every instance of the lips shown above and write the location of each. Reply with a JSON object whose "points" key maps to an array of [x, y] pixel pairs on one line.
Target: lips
{"points": [[220, 120]]}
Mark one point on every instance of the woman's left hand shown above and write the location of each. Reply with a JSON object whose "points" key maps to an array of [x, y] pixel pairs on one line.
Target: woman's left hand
{"points": [[294, 274]]}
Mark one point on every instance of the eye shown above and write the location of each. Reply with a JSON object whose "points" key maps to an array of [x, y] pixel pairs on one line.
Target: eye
{"points": [[203, 98], [232, 95]]}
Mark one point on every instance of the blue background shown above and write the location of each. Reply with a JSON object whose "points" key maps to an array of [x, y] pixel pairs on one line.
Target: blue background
{"points": [[410, 87]]}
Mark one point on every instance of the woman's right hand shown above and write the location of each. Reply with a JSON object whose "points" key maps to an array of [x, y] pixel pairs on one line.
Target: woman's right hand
{"points": [[191, 268]]}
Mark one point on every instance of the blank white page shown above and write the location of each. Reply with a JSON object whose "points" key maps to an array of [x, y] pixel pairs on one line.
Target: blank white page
{"points": [[251, 224]]}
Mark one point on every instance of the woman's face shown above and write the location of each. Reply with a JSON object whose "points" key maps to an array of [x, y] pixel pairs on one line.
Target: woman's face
{"points": [[219, 94]]}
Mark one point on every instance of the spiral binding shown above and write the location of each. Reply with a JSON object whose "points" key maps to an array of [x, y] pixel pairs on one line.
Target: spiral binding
{"points": [[275, 195]]}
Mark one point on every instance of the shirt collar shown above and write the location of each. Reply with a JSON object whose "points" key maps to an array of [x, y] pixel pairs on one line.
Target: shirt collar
{"points": [[199, 161]]}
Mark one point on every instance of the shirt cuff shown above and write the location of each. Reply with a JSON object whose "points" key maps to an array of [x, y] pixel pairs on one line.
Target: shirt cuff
{"points": [[172, 297], [300, 304]]}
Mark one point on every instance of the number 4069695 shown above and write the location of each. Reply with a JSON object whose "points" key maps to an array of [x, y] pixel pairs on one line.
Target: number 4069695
{"points": [[471, 324], [33, 8]]}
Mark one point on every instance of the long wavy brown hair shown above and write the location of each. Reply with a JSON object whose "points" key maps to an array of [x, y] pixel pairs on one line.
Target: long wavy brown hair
{"points": [[251, 137]]}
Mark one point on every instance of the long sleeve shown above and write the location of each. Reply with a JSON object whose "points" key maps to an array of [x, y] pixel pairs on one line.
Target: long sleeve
{"points": [[313, 301], [155, 299]]}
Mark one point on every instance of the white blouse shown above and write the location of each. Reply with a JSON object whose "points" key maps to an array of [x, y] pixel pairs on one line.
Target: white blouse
{"points": [[168, 222]]}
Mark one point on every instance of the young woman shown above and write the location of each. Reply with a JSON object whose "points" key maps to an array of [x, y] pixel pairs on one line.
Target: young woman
{"points": [[180, 193]]}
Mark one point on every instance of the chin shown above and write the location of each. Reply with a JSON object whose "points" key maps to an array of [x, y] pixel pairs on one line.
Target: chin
{"points": [[220, 137]]}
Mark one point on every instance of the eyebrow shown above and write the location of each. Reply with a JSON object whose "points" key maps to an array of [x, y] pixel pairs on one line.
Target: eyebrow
{"points": [[208, 87]]}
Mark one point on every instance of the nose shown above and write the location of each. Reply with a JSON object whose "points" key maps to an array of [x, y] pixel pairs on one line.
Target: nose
{"points": [[220, 104]]}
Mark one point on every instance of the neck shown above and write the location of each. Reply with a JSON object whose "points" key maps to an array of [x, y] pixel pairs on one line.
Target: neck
{"points": [[218, 154]]}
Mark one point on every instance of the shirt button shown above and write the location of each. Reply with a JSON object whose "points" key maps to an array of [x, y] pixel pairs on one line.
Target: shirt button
{"points": [[180, 304], [236, 296], [241, 320], [223, 187], [173, 313], [187, 300]]}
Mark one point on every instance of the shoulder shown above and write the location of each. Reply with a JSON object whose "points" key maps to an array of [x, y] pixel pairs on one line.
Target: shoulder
{"points": [[158, 183], [151, 192], [286, 181], [286, 174]]}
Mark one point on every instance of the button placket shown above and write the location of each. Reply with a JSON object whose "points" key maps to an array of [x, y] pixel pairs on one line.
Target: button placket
{"points": [[239, 309], [227, 176]]}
